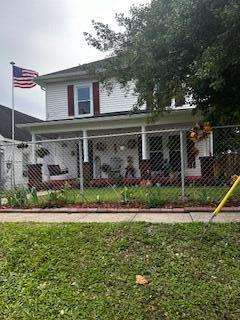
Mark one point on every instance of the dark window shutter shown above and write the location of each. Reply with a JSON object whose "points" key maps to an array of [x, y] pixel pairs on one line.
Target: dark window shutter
{"points": [[70, 90], [96, 102]]}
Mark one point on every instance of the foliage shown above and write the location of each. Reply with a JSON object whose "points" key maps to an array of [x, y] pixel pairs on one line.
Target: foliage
{"points": [[174, 48], [128, 195], [153, 198], [60, 198], [88, 271], [42, 152], [34, 197], [17, 198]]}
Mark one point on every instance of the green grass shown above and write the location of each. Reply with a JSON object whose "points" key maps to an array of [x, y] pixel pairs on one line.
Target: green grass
{"points": [[150, 197], [87, 271], [140, 194]]}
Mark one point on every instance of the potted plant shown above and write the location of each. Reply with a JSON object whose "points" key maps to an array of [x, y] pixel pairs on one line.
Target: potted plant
{"points": [[42, 152]]}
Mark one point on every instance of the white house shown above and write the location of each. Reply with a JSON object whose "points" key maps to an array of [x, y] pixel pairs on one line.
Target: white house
{"points": [[22, 156], [77, 105]]}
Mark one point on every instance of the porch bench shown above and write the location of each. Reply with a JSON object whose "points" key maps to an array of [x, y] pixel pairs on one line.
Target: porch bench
{"points": [[55, 170], [56, 173]]}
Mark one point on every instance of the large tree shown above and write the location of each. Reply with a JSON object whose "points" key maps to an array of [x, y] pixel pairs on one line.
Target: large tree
{"points": [[175, 47]]}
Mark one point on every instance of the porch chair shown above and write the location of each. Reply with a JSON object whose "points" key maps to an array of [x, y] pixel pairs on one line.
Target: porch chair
{"points": [[56, 173]]}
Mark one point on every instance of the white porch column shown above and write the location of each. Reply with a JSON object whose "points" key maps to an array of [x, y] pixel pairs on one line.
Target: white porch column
{"points": [[34, 160], [144, 143], [85, 146], [211, 143]]}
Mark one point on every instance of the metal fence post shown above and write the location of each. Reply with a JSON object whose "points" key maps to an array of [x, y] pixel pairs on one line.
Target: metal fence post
{"points": [[81, 167], [182, 165]]}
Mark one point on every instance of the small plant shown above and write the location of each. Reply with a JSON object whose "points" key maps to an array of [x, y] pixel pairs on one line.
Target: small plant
{"points": [[17, 198], [128, 195], [60, 198], [153, 198], [34, 197], [204, 196], [54, 199], [67, 195]]}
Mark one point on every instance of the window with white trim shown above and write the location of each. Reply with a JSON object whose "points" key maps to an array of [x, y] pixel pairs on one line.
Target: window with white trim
{"points": [[83, 100]]}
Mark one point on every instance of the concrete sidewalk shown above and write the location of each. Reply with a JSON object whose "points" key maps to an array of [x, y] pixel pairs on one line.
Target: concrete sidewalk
{"points": [[118, 217]]}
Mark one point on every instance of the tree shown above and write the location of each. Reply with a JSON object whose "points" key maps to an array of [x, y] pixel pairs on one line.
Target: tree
{"points": [[174, 47]]}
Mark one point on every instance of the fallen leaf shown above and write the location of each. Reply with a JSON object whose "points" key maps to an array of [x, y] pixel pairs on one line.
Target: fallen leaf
{"points": [[141, 279]]}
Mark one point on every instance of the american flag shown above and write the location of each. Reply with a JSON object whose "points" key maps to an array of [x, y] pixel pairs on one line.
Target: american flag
{"points": [[24, 78]]}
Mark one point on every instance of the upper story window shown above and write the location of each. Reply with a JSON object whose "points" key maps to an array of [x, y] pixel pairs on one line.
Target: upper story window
{"points": [[83, 103]]}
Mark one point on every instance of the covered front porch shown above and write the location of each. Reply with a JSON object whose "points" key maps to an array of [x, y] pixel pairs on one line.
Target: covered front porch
{"points": [[122, 151]]}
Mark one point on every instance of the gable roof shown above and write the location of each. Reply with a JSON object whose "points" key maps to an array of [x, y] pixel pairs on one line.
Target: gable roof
{"points": [[20, 118], [80, 71]]}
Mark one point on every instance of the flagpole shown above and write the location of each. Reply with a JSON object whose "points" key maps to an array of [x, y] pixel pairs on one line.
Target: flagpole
{"points": [[13, 128]]}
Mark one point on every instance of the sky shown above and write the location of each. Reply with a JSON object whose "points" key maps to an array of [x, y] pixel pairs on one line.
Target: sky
{"points": [[47, 36]]}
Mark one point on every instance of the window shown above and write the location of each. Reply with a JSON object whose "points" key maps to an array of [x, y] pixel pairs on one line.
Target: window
{"points": [[83, 100]]}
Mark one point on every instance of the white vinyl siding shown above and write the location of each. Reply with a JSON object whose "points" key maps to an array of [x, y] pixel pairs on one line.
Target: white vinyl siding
{"points": [[117, 100], [203, 148], [57, 101]]}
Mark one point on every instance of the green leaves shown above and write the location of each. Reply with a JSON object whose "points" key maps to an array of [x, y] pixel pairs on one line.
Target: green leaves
{"points": [[167, 43]]}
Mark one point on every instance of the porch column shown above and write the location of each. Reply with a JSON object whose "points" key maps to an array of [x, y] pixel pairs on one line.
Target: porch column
{"points": [[211, 143], [87, 166], [85, 147], [144, 144], [145, 164], [34, 148]]}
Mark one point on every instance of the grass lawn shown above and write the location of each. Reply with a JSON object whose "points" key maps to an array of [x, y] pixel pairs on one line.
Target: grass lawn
{"points": [[150, 196], [87, 271]]}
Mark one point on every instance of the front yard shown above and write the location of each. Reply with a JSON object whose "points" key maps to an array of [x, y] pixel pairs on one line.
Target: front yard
{"points": [[135, 196], [87, 271]]}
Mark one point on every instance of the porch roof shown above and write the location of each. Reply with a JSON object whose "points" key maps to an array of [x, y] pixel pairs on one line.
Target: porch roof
{"points": [[110, 121]]}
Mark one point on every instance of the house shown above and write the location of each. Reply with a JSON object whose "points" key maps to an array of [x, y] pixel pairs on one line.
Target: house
{"points": [[22, 157], [77, 105]]}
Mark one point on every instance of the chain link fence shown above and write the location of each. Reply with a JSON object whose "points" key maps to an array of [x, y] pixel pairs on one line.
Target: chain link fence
{"points": [[152, 168]]}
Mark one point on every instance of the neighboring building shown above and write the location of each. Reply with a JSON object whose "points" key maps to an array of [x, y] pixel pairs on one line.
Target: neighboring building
{"points": [[78, 105], [22, 156]]}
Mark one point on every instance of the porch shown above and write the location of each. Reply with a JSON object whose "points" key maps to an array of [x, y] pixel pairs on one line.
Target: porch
{"points": [[121, 157]]}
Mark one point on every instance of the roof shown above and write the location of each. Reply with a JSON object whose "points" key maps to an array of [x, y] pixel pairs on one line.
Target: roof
{"points": [[81, 123], [83, 70], [102, 117], [20, 118]]}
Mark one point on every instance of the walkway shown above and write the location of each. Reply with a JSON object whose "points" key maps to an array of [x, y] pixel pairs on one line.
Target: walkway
{"points": [[118, 217]]}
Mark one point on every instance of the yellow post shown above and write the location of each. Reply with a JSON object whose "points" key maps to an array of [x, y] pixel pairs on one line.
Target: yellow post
{"points": [[221, 204], [224, 200]]}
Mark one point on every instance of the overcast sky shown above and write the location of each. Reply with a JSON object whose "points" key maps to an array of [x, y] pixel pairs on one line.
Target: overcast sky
{"points": [[47, 36]]}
